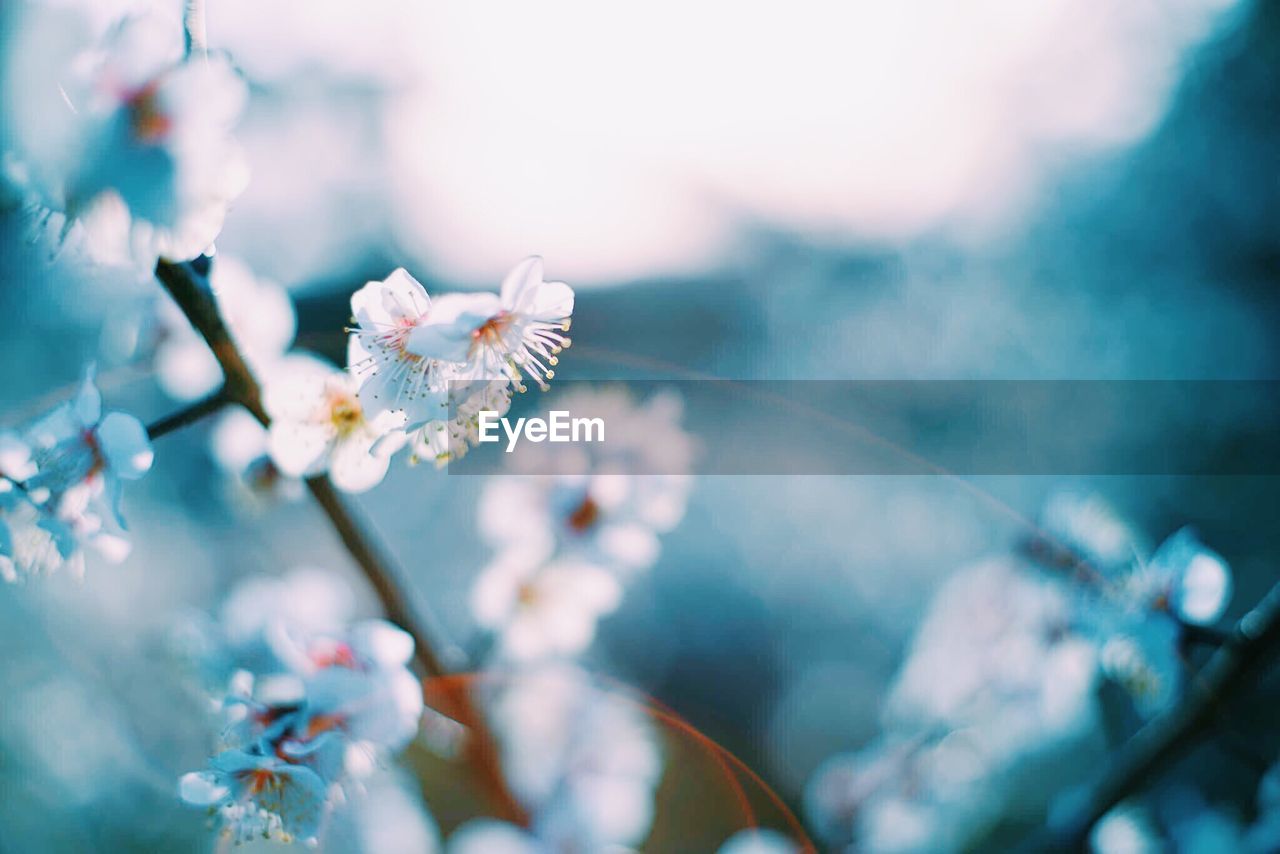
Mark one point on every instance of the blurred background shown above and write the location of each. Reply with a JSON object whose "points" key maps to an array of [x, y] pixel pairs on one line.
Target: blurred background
{"points": [[910, 190]]}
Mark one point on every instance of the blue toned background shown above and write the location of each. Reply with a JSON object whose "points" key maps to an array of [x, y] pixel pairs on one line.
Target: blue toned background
{"points": [[891, 191]]}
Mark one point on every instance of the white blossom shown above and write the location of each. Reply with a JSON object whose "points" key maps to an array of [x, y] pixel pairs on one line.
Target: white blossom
{"points": [[540, 608], [519, 330], [123, 137], [319, 423]]}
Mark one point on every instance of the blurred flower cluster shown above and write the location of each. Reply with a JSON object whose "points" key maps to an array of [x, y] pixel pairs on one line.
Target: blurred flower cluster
{"points": [[116, 135], [1003, 693], [585, 761], [61, 479], [310, 701]]}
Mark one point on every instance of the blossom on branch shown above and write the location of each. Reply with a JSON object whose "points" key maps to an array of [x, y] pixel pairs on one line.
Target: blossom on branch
{"points": [[61, 483], [125, 138], [320, 424]]}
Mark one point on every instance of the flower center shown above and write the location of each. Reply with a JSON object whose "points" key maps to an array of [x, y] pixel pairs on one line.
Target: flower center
{"points": [[341, 655], [527, 595], [261, 779], [586, 514], [491, 331], [345, 414], [149, 121]]}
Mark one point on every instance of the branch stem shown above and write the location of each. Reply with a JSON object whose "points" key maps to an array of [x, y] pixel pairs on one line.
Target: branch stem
{"points": [[1250, 646], [189, 414], [190, 290]]}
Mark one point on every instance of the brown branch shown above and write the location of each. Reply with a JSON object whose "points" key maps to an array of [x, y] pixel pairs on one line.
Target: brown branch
{"points": [[190, 290], [1250, 646], [188, 414]]}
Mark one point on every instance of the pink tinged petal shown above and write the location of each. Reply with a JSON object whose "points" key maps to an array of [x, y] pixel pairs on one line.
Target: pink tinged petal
{"points": [[299, 449], [551, 302], [352, 466], [382, 643], [201, 789], [125, 445]]}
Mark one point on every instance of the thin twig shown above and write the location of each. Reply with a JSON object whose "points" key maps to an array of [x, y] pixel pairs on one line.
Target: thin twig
{"points": [[190, 290], [188, 414], [1251, 645]]}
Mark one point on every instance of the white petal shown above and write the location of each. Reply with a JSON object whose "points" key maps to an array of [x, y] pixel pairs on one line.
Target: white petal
{"points": [[523, 277], [445, 333], [1205, 589], [201, 789], [125, 445], [299, 450], [552, 301], [186, 369], [354, 468], [87, 404], [381, 642]]}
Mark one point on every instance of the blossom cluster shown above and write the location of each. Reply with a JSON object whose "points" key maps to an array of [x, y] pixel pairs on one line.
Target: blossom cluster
{"points": [[567, 543], [419, 373], [61, 481], [115, 134], [584, 761], [312, 702], [1002, 695]]}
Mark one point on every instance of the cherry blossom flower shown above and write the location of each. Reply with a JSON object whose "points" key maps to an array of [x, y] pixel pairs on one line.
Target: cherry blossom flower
{"points": [[521, 330], [1185, 578], [606, 504], [583, 761], [319, 423], [392, 377], [258, 313], [62, 483], [133, 143], [541, 609], [259, 796], [443, 441], [321, 702]]}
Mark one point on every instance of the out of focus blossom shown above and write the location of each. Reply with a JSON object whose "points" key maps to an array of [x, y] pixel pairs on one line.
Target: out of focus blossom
{"points": [[324, 703], [61, 484], [519, 330], [607, 506], [258, 314], [259, 796], [541, 608], [758, 841], [123, 137], [240, 447], [584, 762], [391, 377], [443, 441], [319, 423], [1134, 604]]}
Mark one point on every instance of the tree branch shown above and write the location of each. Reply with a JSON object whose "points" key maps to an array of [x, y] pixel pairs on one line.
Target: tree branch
{"points": [[188, 414], [190, 290], [1253, 642]]}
